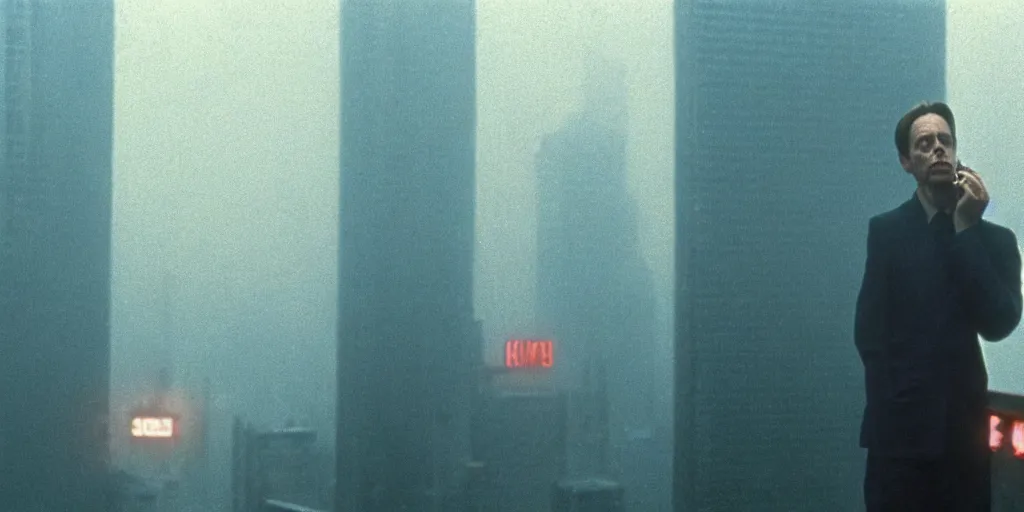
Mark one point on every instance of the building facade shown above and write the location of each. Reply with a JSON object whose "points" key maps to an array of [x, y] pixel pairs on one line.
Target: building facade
{"points": [[784, 144], [595, 294], [408, 341], [56, 83]]}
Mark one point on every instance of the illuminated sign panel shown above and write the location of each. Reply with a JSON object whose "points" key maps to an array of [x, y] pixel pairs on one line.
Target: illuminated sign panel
{"points": [[520, 354], [1006, 432], [148, 427], [1018, 439], [995, 436]]}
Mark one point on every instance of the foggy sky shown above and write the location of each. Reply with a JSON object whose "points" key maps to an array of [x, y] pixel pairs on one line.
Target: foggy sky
{"points": [[986, 62], [226, 141], [225, 180], [530, 68], [226, 173]]}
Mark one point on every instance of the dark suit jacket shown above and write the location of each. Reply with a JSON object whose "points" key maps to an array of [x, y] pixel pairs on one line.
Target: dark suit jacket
{"points": [[919, 314]]}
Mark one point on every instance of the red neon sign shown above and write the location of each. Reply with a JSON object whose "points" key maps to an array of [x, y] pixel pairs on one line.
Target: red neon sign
{"points": [[149, 427], [995, 436], [529, 354], [1018, 439]]}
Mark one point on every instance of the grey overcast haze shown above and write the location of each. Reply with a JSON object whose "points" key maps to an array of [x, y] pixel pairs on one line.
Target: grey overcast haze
{"points": [[226, 175], [457, 255]]}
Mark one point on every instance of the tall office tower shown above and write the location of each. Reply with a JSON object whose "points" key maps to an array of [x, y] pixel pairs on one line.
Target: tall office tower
{"points": [[785, 119], [408, 341], [56, 74], [595, 292]]}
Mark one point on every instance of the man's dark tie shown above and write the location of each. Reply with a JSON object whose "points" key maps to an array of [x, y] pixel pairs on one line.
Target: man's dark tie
{"points": [[942, 226]]}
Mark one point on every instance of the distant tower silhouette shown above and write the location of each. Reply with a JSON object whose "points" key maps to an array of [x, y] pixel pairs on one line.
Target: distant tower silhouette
{"points": [[595, 292]]}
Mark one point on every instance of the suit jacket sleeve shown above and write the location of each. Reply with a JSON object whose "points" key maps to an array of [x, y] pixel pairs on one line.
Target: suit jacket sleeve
{"points": [[988, 271], [870, 331]]}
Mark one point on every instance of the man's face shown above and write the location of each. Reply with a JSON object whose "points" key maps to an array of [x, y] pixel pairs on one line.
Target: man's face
{"points": [[932, 156]]}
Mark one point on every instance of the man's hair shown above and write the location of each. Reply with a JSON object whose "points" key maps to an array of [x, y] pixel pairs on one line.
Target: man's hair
{"points": [[903, 127]]}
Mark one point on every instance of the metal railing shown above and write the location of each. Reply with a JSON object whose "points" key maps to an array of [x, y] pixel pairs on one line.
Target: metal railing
{"points": [[273, 470], [1006, 439], [280, 506]]}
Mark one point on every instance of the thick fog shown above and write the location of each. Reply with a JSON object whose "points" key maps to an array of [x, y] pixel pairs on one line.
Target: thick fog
{"points": [[226, 176], [225, 204], [225, 221], [225, 167], [531, 62], [985, 55]]}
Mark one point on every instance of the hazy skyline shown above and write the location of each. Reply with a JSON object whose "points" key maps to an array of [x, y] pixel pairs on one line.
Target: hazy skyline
{"points": [[531, 61], [226, 171], [226, 174]]}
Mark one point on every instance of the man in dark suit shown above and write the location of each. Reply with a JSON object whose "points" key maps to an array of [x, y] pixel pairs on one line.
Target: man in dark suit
{"points": [[937, 276]]}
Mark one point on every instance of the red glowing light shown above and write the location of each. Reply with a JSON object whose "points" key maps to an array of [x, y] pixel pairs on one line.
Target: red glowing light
{"points": [[995, 437], [529, 354], [1018, 439], [153, 427]]}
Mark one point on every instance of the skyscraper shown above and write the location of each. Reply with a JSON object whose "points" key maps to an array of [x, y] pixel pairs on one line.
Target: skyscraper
{"points": [[595, 292], [56, 74], [408, 341], [785, 119]]}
